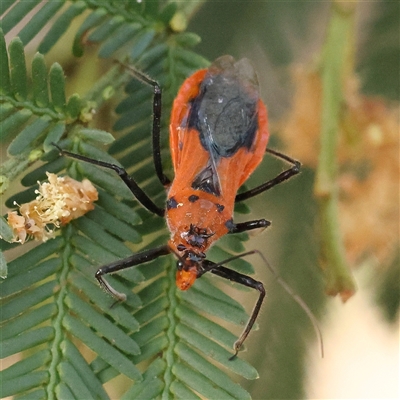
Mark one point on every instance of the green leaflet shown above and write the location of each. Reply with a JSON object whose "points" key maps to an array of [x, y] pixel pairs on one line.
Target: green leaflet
{"points": [[18, 74]]}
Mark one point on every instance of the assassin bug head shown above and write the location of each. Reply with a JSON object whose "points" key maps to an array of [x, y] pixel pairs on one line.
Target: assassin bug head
{"points": [[189, 269], [190, 256]]}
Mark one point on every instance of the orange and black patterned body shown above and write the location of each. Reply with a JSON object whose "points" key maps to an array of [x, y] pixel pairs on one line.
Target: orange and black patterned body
{"points": [[218, 136]]}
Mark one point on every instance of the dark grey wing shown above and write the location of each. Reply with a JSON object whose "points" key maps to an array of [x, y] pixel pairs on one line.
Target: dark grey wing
{"points": [[224, 114]]}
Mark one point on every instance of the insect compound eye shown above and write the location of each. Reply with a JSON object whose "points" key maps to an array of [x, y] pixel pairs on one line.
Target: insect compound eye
{"points": [[179, 265], [181, 247]]}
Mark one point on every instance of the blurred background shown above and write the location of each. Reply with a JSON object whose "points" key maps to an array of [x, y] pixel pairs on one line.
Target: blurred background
{"points": [[361, 337]]}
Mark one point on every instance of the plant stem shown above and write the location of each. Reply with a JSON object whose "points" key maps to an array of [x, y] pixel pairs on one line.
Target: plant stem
{"points": [[337, 62]]}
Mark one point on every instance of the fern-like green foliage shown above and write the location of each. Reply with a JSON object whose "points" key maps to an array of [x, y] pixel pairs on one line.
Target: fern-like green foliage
{"points": [[68, 338]]}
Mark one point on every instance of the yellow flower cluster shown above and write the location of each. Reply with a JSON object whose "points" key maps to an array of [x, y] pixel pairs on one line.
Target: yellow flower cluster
{"points": [[58, 201]]}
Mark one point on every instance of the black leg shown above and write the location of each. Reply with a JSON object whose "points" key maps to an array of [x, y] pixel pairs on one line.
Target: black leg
{"points": [[248, 225], [156, 121], [245, 280], [140, 195], [135, 259], [218, 269], [283, 176]]}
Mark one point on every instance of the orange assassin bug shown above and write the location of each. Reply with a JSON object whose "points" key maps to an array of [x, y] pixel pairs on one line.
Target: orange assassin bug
{"points": [[218, 136]]}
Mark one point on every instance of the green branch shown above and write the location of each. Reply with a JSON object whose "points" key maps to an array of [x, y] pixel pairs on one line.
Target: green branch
{"points": [[336, 63]]}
